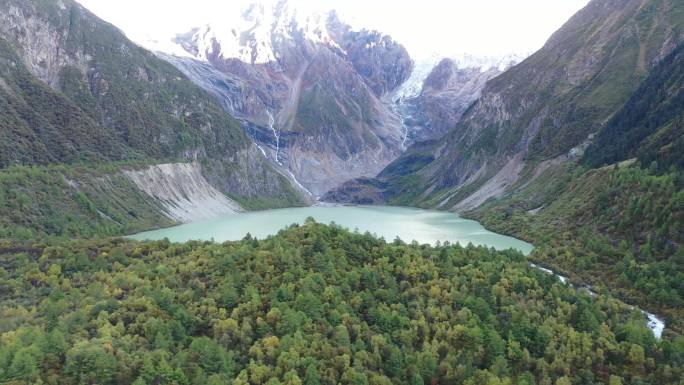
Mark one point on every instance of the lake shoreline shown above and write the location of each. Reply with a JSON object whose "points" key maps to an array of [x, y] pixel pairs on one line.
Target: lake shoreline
{"points": [[435, 226], [407, 223]]}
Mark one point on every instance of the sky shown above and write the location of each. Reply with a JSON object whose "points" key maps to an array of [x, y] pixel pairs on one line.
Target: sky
{"points": [[424, 27]]}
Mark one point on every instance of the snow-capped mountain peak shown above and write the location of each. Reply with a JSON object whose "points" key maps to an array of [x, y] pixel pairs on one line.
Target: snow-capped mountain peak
{"points": [[256, 34], [413, 86]]}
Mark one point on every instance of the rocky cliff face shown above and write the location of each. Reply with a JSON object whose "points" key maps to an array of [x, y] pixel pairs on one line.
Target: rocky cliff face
{"points": [[383, 63], [548, 106], [308, 89], [446, 92], [449, 91], [182, 190], [74, 89], [542, 110]]}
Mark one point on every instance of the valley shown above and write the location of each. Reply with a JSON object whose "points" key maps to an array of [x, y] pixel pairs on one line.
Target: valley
{"points": [[277, 194], [308, 88]]}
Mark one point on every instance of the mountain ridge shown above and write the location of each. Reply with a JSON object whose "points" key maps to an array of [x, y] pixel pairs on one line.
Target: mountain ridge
{"points": [[606, 208], [276, 61], [545, 108], [75, 91]]}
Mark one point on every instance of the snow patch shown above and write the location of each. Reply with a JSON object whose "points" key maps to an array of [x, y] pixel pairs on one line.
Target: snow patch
{"points": [[183, 191], [488, 62], [413, 86]]}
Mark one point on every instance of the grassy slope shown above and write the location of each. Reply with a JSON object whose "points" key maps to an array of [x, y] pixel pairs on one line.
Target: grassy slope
{"points": [[73, 201]]}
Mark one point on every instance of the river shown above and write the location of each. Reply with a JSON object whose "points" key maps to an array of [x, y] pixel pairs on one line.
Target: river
{"points": [[655, 323]]}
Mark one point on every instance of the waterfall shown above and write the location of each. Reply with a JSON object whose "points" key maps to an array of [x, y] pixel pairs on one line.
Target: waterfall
{"points": [[276, 134]]}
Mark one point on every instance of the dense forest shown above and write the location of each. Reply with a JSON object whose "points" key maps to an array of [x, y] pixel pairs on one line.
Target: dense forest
{"points": [[650, 126], [618, 227], [314, 304], [600, 193]]}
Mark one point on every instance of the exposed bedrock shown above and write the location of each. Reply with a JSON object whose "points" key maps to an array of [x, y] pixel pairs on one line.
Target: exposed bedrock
{"points": [[184, 193]]}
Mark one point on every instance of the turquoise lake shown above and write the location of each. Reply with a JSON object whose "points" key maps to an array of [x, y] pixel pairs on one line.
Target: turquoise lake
{"points": [[424, 226]]}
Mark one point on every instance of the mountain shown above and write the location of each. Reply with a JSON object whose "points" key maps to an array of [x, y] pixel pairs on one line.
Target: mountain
{"points": [[540, 112], [650, 126], [308, 88], [75, 91], [433, 102], [614, 216], [577, 150]]}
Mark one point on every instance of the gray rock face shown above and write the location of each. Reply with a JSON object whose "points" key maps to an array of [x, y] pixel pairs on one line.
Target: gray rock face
{"points": [[182, 190], [554, 100], [448, 90], [383, 63], [308, 89], [41, 43]]}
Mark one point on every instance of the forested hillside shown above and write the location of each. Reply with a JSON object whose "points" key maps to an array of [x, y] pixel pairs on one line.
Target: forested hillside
{"points": [[651, 124], [618, 228], [618, 225], [612, 217], [76, 98], [313, 305]]}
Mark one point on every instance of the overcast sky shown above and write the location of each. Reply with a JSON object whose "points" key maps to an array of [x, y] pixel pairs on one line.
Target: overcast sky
{"points": [[481, 27]]}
